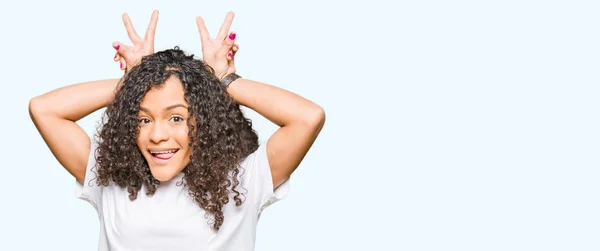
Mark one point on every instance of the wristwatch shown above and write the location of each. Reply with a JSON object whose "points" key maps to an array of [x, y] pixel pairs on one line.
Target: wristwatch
{"points": [[229, 78]]}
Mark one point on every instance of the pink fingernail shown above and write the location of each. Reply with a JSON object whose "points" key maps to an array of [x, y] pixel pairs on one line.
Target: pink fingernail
{"points": [[120, 65], [117, 46], [115, 57], [229, 55], [232, 36]]}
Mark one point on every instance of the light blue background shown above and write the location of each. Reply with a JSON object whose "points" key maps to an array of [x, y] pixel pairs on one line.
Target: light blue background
{"points": [[451, 125]]}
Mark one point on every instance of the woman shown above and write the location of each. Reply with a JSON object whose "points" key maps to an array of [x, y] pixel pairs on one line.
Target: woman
{"points": [[176, 165]]}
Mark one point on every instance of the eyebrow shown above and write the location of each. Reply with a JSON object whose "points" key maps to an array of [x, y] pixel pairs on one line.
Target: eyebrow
{"points": [[171, 107]]}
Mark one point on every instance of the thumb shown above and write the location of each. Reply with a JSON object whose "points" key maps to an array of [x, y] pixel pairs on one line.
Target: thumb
{"points": [[229, 42], [124, 51]]}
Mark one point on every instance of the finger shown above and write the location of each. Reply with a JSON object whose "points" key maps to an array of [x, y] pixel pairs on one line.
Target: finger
{"points": [[230, 55], [235, 49], [118, 46], [231, 65], [124, 51], [130, 30], [122, 64], [117, 57], [227, 44], [225, 27], [204, 35], [229, 41], [152, 27]]}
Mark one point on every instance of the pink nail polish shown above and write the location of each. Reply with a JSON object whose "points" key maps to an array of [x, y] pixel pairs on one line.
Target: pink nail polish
{"points": [[117, 46], [120, 65], [229, 55], [115, 57], [232, 36]]}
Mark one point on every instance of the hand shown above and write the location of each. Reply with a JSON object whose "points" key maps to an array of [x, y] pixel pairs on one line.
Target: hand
{"points": [[131, 55], [218, 53]]}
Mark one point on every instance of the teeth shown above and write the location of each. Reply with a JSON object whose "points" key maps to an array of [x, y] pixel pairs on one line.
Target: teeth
{"points": [[159, 152]]}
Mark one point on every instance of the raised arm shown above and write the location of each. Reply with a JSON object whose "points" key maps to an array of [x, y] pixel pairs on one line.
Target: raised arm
{"points": [[300, 120], [55, 113]]}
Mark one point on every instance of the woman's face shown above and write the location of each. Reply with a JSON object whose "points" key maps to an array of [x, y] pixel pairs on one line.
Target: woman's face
{"points": [[163, 136]]}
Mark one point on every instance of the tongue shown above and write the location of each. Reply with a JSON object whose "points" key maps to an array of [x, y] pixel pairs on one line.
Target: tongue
{"points": [[165, 155]]}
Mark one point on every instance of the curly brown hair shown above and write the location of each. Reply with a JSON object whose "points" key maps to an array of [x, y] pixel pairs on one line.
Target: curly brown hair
{"points": [[220, 136]]}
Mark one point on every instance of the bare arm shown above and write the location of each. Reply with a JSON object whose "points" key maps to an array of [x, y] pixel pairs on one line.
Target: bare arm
{"points": [[55, 114], [300, 120]]}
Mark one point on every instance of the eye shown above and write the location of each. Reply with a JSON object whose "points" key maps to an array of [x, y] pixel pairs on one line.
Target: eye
{"points": [[144, 121], [177, 119]]}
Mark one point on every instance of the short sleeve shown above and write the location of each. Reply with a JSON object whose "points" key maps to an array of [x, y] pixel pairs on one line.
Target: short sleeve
{"points": [[89, 191], [258, 178]]}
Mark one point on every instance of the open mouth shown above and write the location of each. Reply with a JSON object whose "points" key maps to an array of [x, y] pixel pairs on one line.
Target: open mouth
{"points": [[163, 155]]}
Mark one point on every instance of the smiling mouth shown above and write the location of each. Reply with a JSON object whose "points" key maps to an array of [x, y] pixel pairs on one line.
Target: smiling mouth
{"points": [[163, 155]]}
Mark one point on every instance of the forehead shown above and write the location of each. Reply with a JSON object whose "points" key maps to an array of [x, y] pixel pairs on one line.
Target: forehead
{"points": [[167, 94]]}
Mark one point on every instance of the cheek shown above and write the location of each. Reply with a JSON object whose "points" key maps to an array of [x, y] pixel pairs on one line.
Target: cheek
{"points": [[183, 139], [142, 138], [182, 136]]}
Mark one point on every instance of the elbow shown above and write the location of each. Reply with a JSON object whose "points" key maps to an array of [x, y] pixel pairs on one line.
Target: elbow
{"points": [[310, 118], [38, 107], [316, 118], [35, 106]]}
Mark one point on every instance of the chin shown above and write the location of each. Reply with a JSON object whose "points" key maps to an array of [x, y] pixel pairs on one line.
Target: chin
{"points": [[164, 174]]}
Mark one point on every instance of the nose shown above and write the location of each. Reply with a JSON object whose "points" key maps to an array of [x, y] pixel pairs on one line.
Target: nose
{"points": [[159, 132]]}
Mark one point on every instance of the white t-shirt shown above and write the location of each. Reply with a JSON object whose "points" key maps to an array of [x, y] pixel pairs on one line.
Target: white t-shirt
{"points": [[171, 220]]}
